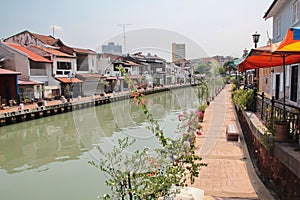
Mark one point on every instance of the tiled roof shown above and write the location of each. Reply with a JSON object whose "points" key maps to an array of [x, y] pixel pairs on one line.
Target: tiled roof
{"points": [[87, 76], [131, 63], [45, 39], [55, 52], [85, 51], [31, 55], [67, 80], [8, 72], [112, 56], [28, 82]]}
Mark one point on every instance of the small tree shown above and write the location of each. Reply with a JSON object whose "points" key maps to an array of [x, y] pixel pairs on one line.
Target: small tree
{"points": [[140, 176]]}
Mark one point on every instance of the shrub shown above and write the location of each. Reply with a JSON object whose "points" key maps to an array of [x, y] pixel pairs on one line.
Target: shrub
{"points": [[243, 99]]}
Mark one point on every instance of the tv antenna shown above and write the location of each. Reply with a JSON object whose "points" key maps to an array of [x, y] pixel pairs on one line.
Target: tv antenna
{"points": [[53, 29], [124, 35]]}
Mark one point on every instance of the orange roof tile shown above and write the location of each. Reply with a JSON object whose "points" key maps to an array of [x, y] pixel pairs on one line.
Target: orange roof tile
{"points": [[8, 72], [45, 39], [131, 63], [54, 52], [87, 76], [29, 82], [31, 55], [67, 80], [85, 51]]}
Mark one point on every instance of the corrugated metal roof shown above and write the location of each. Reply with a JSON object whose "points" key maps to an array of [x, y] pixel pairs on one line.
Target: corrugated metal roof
{"points": [[54, 52], [69, 80], [31, 55], [84, 51], [45, 39]]}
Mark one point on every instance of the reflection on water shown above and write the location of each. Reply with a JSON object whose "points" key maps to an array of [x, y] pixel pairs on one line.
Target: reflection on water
{"points": [[40, 146]]}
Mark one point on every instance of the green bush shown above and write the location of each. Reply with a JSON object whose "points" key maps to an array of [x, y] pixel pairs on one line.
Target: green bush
{"points": [[202, 107], [243, 99]]}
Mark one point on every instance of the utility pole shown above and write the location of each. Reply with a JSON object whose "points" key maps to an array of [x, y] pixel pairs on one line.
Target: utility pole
{"points": [[124, 35]]}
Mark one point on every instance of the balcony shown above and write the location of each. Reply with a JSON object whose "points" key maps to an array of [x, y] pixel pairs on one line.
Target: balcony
{"points": [[38, 72]]}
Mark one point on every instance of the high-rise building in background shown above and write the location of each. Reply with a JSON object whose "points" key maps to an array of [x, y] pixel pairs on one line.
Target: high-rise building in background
{"points": [[112, 48], [178, 52]]}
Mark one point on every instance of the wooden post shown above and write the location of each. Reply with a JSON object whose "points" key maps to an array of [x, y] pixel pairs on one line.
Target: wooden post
{"points": [[262, 105], [129, 187]]}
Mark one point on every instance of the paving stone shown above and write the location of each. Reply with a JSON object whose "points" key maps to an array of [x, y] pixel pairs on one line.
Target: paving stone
{"points": [[230, 173]]}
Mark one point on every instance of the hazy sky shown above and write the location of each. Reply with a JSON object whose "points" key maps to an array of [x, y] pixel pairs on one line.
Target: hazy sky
{"points": [[219, 27]]}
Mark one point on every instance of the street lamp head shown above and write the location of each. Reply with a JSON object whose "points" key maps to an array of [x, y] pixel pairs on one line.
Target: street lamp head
{"points": [[255, 37]]}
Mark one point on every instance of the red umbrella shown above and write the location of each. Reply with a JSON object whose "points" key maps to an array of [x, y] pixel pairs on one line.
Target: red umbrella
{"points": [[279, 54], [264, 57]]}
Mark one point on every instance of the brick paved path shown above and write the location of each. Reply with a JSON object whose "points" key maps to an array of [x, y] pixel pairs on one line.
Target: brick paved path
{"points": [[229, 173]]}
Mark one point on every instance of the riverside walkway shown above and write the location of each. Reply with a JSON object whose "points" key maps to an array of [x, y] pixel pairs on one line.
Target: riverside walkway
{"points": [[230, 173]]}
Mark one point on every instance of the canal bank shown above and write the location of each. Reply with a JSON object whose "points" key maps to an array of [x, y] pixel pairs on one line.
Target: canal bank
{"points": [[12, 115], [230, 173]]}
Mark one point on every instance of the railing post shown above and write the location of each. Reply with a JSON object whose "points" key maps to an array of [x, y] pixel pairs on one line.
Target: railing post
{"points": [[272, 108], [255, 100], [262, 105]]}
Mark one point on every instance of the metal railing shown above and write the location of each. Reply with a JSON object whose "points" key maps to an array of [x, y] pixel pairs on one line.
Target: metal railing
{"points": [[270, 108]]}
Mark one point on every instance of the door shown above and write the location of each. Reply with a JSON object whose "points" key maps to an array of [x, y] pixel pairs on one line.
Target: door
{"points": [[277, 86], [294, 83]]}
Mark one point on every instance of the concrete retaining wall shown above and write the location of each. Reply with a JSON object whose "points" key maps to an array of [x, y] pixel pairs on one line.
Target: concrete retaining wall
{"points": [[279, 169]]}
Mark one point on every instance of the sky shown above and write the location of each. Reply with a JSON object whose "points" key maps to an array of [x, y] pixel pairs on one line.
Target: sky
{"points": [[209, 28]]}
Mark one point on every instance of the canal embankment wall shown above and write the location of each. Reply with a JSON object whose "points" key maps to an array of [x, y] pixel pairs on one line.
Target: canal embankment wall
{"points": [[30, 112], [279, 165]]}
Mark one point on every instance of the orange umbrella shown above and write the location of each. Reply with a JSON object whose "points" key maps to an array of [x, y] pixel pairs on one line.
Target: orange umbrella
{"points": [[264, 57], [280, 54], [291, 42]]}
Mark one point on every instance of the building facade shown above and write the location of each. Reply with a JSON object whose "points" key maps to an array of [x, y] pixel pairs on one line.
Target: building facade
{"points": [[178, 52], [112, 48], [285, 14]]}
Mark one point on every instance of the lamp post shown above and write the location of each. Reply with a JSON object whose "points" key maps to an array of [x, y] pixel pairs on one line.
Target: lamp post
{"points": [[255, 37]]}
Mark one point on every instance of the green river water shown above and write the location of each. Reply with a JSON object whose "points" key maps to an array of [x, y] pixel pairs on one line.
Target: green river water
{"points": [[48, 158]]}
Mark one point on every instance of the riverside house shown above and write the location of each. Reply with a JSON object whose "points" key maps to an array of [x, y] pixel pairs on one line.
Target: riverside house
{"points": [[35, 70], [285, 14]]}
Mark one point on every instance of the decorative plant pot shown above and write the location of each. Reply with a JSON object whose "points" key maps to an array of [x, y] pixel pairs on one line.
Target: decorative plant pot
{"points": [[282, 130], [201, 117]]}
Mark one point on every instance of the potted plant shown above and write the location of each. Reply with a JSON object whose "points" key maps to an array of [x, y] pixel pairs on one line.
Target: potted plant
{"points": [[282, 129], [68, 92], [40, 102], [201, 109], [279, 128]]}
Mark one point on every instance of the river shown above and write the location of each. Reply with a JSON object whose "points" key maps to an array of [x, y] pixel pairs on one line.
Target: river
{"points": [[48, 158]]}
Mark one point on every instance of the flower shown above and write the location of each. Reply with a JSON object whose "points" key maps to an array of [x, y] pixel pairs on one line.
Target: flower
{"points": [[199, 133], [189, 122], [180, 116]]}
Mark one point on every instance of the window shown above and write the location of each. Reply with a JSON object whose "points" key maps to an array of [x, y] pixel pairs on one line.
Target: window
{"points": [[63, 65], [295, 11], [278, 29], [82, 63], [294, 83]]}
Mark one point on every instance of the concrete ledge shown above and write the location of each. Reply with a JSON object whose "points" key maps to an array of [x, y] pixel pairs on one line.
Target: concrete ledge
{"points": [[279, 166], [283, 151], [288, 156]]}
